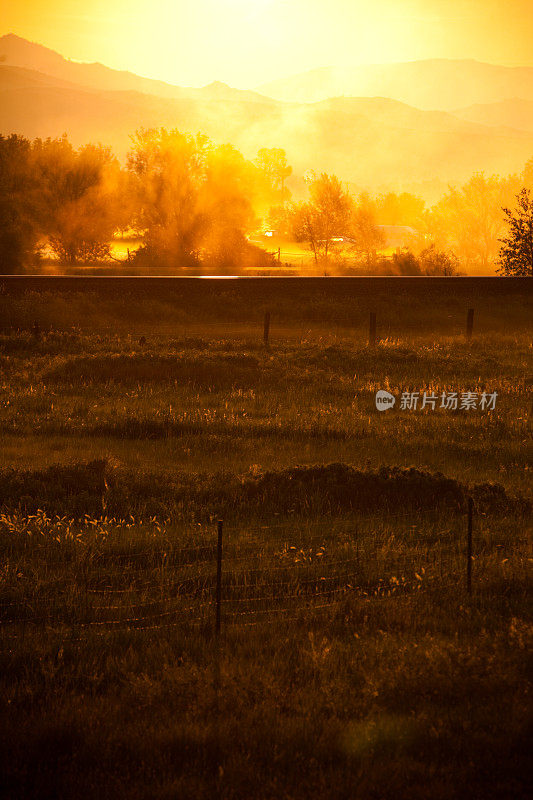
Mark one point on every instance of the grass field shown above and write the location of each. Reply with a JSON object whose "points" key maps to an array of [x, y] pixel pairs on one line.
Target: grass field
{"points": [[353, 663]]}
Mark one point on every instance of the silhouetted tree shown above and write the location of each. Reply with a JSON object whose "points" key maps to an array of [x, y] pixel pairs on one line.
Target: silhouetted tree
{"points": [[470, 219], [19, 204], [516, 252], [367, 237], [406, 263], [84, 198], [528, 174], [438, 262]]}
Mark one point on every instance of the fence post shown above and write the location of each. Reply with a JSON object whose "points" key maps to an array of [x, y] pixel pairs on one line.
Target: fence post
{"points": [[469, 548], [372, 330], [266, 329], [219, 580], [469, 323], [217, 760]]}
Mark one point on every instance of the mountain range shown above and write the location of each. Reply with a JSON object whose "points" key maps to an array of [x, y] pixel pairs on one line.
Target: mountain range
{"points": [[429, 122], [442, 84]]}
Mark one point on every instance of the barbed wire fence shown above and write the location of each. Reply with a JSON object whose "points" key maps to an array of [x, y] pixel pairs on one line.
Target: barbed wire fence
{"points": [[245, 577], [369, 328]]}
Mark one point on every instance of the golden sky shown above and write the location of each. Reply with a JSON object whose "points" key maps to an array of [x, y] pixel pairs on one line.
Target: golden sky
{"points": [[247, 42]]}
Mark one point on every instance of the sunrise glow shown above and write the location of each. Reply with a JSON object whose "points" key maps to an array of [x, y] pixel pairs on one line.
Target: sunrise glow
{"points": [[249, 42]]}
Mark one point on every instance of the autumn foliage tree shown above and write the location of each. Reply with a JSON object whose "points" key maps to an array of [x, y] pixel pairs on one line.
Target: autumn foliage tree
{"points": [[469, 219], [193, 200], [326, 216], [226, 197], [168, 168], [19, 204], [367, 237], [83, 198], [274, 170], [516, 252], [528, 174]]}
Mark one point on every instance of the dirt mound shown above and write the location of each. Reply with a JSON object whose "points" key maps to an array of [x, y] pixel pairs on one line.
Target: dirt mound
{"points": [[210, 373], [342, 487], [73, 490], [98, 487]]}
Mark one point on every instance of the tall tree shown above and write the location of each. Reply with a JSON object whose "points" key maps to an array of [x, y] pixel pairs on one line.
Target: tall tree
{"points": [[469, 219], [273, 165], [367, 236], [83, 196], [193, 200], [325, 217], [527, 174], [226, 197], [400, 209], [169, 167], [516, 252], [19, 204]]}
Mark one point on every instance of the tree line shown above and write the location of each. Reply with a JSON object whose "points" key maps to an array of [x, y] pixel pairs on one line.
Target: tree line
{"points": [[470, 226], [192, 204], [189, 201]]}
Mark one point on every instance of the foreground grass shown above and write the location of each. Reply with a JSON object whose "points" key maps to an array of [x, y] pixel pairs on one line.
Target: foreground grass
{"points": [[376, 702], [394, 687], [353, 664]]}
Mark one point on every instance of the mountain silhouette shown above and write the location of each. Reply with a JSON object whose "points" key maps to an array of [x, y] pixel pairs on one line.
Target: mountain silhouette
{"points": [[442, 84], [514, 113], [370, 142]]}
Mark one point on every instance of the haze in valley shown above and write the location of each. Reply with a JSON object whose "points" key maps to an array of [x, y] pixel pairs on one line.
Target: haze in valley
{"points": [[429, 98], [404, 95]]}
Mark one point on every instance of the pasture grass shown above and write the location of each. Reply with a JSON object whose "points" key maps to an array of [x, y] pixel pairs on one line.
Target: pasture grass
{"points": [[401, 685], [352, 663]]}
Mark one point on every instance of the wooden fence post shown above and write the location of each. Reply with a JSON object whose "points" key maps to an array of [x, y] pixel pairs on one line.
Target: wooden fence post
{"points": [[219, 580], [469, 548], [266, 329], [372, 330], [217, 673], [469, 323]]}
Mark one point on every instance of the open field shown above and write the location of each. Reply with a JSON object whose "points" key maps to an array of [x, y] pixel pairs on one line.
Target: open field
{"points": [[353, 662]]}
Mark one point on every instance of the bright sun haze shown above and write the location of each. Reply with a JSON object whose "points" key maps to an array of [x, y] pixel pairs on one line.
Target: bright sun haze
{"points": [[247, 42]]}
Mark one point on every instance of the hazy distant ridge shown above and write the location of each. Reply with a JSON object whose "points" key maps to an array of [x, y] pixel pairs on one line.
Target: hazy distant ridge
{"points": [[369, 141], [432, 84], [18, 52], [514, 113]]}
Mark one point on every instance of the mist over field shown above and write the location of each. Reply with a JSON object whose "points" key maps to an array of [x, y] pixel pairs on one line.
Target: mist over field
{"points": [[389, 127]]}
